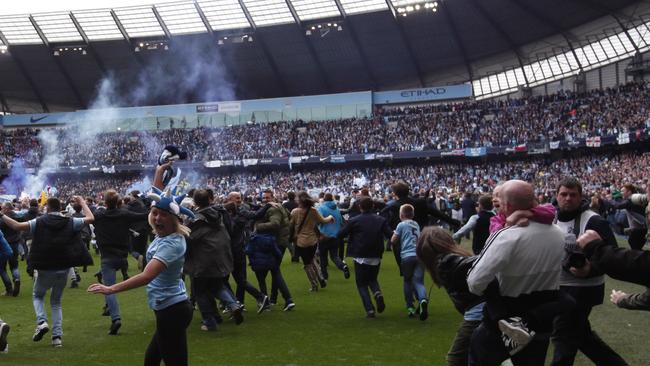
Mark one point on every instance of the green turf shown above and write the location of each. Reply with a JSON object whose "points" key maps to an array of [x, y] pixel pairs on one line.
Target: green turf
{"points": [[326, 328]]}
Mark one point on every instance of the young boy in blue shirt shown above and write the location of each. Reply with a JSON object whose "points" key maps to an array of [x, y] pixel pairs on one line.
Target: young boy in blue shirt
{"points": [[405, 239]]}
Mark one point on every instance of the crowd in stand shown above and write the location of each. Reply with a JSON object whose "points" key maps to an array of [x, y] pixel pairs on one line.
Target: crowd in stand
{"points": [[562, 116], [599, 173]]}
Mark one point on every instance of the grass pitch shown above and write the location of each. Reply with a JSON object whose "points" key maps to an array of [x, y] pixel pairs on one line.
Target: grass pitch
{"points": [[326, 328]]}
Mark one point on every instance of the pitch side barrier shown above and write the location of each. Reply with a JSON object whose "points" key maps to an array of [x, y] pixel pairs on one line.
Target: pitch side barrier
{"points": [[530, 149]]}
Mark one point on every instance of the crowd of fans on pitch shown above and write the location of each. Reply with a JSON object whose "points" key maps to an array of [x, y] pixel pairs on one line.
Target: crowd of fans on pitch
{"points": [[599, 174], [561, 116]]}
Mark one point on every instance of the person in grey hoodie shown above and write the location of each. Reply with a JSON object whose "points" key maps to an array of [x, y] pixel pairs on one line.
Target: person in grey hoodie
{"points": [[328, 243]]}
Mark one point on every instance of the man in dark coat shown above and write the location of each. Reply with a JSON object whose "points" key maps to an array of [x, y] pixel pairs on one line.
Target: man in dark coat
{"points": [[208, 261]]}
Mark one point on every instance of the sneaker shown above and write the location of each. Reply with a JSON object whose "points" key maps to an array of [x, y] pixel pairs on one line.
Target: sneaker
{"points": [[313, 289], [346, 272], [9, 293], [105, 311], [115, 326], [74, 284], [515, 334], [40, 331], [57, 342], [263, 305], [323, 283], [208, 328], [77, 277], [289, 305], [16, 288], [238, 315], [370, 314], [99, 277], [411, 312], [379, 298], [4, 330], [424, 309]]}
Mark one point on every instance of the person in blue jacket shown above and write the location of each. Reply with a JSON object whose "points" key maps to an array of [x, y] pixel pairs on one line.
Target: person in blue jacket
{"points": [[328, 243]]}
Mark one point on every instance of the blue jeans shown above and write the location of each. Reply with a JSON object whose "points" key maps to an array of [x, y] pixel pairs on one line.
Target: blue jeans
{"points": [[55, 280], [413, 280], [109, 268]]}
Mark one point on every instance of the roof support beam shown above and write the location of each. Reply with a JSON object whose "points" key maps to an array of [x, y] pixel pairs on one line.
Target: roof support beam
{"points": [[478, 5], [310, 47], [27, 77], [127, 39], [226, 62], [357, 44], [557, 28], [168, 34], [89, 46], [409, 48], [614, 13], [457, 40], [265, 49], [58, 63], [5, 106]]}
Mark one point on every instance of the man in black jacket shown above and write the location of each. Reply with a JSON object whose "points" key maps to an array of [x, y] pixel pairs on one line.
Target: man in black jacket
{"points": [[112, 232], [140, 229], [367, 233], [241, 232], [209, 261], [572, 330], [56, 248]]}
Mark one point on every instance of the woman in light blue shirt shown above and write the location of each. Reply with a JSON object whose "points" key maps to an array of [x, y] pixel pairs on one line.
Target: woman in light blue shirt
{"points": [[166, 292]]}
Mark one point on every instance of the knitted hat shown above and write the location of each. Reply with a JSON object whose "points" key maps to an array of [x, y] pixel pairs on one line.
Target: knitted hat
{"points": [[167, 202]]}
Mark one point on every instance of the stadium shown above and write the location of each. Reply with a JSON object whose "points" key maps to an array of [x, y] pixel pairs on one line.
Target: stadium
{"points": [[484, 161]]}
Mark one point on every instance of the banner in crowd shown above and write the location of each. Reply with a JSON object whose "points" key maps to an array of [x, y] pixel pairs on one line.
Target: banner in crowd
{"points": [[623, 138], [475, 151], [593, 141], [422, 95], [249, 162]]}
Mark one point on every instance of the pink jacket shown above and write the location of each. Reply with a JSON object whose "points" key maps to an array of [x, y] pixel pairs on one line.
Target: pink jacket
{"points": [[544, 214]]}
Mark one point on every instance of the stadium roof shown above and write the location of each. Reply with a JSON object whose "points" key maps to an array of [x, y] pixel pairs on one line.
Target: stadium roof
{"points": [[271, 48]]}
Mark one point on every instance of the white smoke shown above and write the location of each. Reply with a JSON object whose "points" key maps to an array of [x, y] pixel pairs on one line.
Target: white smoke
{"points": [[35, 183], [185, 73]]}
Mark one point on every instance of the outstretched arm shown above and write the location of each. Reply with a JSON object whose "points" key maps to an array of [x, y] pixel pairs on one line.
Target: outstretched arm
{"points": [[151, 271]]}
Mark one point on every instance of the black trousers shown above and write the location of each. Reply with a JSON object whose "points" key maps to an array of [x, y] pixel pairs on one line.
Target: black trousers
{"points": [[169, 342], [636, 238], [306, 254], [243, 286], [572, 332]]}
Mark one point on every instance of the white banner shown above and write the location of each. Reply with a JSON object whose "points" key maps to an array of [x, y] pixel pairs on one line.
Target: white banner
{"points": [[623, 138], [554, 145]]}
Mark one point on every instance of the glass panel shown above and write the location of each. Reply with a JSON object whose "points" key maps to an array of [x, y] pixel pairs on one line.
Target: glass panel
{"points": [[269, 12], [304, 114], [139, 22], [519, 73], [333, 112], [224, 14], [363, 6], [503, 82], [58, 27], [364, 110], [622, 44], [181, 18], [318, 113], [98, 25], [637, 37], [545, 69], [476, 87], [289, 114], [19, 30], [598, 52], [608, 49], [555, 66], [274, 116], [312, 9], [494, 83]]}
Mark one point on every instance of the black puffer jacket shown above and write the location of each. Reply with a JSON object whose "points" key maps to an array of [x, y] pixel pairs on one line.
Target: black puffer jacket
{"points": [[208, 248], [452, 271]]}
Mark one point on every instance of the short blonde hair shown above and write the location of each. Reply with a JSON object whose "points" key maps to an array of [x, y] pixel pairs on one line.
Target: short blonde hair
{"points": [[407, 211]]}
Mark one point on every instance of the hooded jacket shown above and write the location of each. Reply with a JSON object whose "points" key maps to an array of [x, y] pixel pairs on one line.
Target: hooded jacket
{"points": [[329, 208], [276, 223], [208, 247]]}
